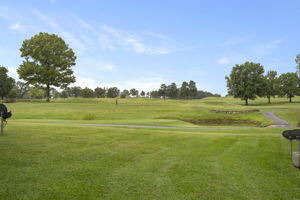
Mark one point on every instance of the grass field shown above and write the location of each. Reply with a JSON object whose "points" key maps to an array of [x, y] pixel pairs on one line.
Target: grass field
{"points": [[155, 111], [51, 161]]}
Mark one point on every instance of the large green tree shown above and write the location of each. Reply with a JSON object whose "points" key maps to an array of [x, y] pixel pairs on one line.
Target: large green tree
{"points": [[100, 92], [134, 92], [172, 91], [271, 87], [162, 90], [47, 62], [192, 89], [6, 83], [124, 94], [113, 92], [143, 93], [184, 90], [246, 81], [87, 93], [289, 85]]}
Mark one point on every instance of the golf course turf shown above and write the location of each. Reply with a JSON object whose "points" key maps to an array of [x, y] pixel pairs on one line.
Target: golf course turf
{"points": [[58, 161]]}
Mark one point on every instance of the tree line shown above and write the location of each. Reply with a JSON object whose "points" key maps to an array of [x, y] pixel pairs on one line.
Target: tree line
{"points": [[248, 81], [188, 90], [22, 90]]}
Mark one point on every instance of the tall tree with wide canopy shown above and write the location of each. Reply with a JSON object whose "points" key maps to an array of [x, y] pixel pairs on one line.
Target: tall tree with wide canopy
{"points": [[246, 81], [48, 62], [289, 85], [6, 83]]}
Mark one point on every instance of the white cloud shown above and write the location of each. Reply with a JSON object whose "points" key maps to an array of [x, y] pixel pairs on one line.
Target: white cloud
{"points": [[18, 26], [143, 83], [223, 61], [12, 71], [85, 82], [97, 64]]}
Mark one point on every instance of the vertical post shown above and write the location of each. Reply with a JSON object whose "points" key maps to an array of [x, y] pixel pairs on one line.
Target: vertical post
{"points": [[116, 101]]}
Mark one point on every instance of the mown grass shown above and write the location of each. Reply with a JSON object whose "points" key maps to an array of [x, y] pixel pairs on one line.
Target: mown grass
{"points": [[51, 161], [72, 162], [151, 111]]}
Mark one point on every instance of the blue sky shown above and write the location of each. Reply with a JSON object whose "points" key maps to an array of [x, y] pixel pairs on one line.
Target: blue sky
{"points": [[142, 44]]}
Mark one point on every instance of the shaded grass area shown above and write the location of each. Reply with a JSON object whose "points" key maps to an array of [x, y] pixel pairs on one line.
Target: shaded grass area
{"points": [[73, 162], [152, 111]]}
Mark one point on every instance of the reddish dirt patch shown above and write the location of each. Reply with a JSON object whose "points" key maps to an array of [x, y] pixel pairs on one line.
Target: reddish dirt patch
{"points": [[219, 121]]}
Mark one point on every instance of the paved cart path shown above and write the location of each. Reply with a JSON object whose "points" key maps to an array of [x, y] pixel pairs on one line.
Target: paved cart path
{"points": [[279, 123]]}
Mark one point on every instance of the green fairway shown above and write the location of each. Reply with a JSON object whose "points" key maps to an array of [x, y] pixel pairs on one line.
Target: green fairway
{"points": [[56, 161], [143, 111], [72, 162]]}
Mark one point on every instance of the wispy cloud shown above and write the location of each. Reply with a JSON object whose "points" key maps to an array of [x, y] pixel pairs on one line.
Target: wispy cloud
{"points": [[158, 35], [71, 38], [85, 82], [252, 53], [107, 37], [266, 48], [223, 61], [132, 42], [18, 26], [97, 64], [235, 41]]}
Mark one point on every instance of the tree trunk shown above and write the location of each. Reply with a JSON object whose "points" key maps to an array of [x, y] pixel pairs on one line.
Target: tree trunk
{"points": [[48, 93], [246, 102], [290, 99], [269, 99]]}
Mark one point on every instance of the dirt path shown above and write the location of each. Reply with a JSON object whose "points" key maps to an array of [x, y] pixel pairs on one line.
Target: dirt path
{"points": [[279, 123]]}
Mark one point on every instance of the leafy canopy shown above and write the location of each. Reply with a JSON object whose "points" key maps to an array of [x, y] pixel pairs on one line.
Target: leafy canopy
{"points": [[246, 81], [47, 61], [289, 85]]}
